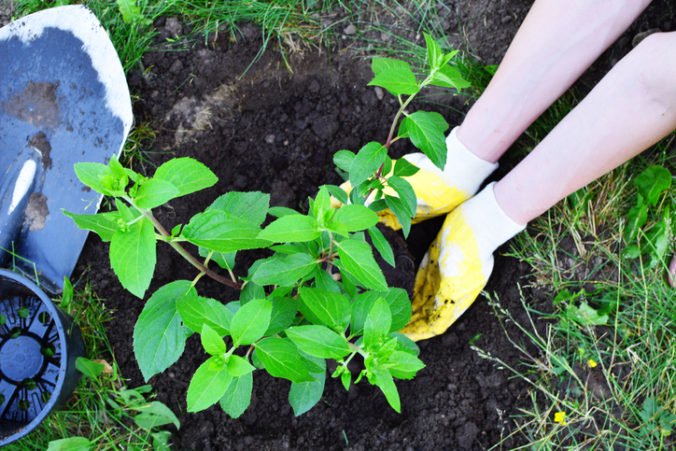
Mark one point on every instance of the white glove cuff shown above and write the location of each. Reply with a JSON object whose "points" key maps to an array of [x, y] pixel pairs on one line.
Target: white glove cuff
{"points": [[489, 221], [464, 170]]}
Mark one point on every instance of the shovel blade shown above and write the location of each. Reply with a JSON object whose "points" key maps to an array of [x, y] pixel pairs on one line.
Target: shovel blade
{"points": [[63, 99]]}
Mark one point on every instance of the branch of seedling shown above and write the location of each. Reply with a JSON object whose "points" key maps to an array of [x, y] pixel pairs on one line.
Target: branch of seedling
{"points": [[183, 252]]}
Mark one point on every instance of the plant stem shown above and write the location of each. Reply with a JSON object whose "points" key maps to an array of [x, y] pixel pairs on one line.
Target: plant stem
{"points": [[183, 252]]}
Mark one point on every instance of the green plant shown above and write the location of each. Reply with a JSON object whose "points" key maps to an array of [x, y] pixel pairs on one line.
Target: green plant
{"points": [[654, 242], [320, 295]]}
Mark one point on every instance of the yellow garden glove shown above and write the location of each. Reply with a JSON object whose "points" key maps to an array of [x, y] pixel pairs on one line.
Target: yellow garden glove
{"points": [[437, 191], [458, 264]]}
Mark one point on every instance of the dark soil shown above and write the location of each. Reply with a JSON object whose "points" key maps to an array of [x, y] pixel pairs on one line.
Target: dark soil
{"points": [[276, 131]]}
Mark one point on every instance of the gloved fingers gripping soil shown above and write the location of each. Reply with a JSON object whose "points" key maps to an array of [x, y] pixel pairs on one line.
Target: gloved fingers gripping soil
{"points": [[450, 278], [458, 264], [434, 195]]}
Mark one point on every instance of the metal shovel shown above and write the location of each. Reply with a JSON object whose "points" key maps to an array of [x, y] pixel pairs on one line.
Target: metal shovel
{"points": [[63, 99]]}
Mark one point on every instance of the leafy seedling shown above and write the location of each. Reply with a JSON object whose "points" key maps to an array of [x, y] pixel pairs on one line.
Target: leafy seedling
{"points": [[319, 296]]}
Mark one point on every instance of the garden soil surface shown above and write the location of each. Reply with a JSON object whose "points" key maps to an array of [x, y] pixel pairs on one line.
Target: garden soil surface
{"points": [[276, 131]]}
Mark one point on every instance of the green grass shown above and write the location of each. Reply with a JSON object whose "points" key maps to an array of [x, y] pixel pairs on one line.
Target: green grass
{"points": [[577, 252]]}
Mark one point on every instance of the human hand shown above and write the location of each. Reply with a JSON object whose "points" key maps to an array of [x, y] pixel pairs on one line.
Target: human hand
{"points": [[458, 264], [437, 191]]}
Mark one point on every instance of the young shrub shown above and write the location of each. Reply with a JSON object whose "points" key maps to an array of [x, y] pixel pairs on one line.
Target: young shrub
{"points": [[320, 295]]}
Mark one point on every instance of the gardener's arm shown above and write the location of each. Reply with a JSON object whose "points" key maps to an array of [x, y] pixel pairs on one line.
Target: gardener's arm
{"points": [[632, 108], [556, 43]]}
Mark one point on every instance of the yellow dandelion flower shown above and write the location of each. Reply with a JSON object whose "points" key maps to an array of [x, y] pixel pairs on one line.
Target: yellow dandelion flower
{"points": [[560, 418], [592, 363]]}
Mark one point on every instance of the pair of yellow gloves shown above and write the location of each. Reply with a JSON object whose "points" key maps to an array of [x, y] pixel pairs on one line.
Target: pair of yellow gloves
{"points": [[460, 260]]}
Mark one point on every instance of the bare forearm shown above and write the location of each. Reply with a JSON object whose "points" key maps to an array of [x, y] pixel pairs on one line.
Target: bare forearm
{"points": [[556, 43], [629, 110]]}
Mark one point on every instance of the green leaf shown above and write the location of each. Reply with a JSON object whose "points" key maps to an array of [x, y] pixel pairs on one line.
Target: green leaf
{"points": [[155, 192], [338, 193], [357, 259], [367, 162], [212, 341], [346, 379], [186, 174], [155, 414], [652, 182], [585, 315], [251, 291], [100, 178], [88, 367], [239, 366], [434, 52], [133, 256], [351, 218], [197, 311], [296, 228], [159, 335], [636, 218], [383, 379], [403, 168], [70, 444], [343, 159], [250, 322], [208, 385], [382, 245], [450, 77], [326, 308], [161, 440], [404, 365], [282, 359], [394, 75], [280, 212], [303, 396], [397, 299], [405, 344], [659, 239], [129, 10], [405, 192], [427, 132], [320, 207], [284, 270], [324, 281], [103, 224], [283, 313], [250, 206], [222, 232], [237, 397], [401, 211], [378, 323], [319, 341]]}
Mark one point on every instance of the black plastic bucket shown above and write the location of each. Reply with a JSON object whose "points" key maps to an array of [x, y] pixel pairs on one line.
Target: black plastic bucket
{"points": [[38, 347]]}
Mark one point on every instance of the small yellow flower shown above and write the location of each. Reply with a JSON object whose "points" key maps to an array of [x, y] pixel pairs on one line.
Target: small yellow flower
{"points": [[560, 418], [592, 363]]}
